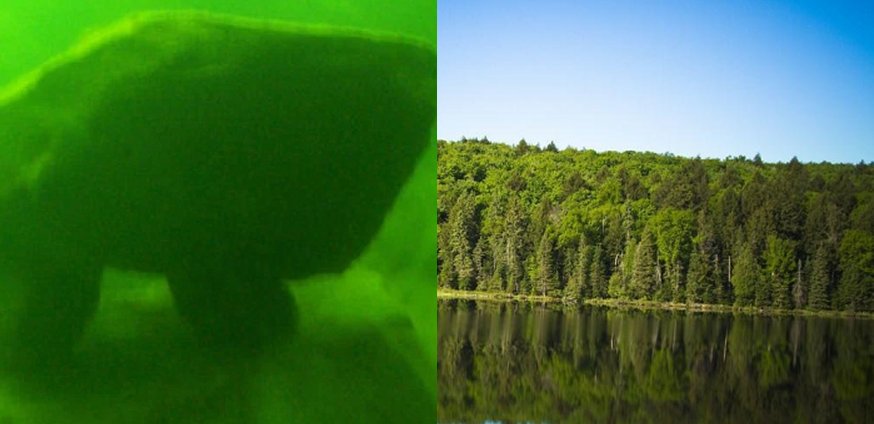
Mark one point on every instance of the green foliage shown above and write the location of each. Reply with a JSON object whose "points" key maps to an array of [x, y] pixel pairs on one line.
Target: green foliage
{"points": [[581, 224], [461, 234], [856, 286], [547, 267], [619, 285], [687, 189], [746, 277], [598, 274], [820, 281], [580, 284], [698, 278], [644, 279], [780, 264], [674, 229]]}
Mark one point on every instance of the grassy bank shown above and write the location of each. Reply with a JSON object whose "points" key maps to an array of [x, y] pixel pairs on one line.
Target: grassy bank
{"points": [[648, 305], [493, 296]]}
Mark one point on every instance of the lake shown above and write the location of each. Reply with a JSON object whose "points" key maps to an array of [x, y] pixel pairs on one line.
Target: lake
{"points": [[521, 362]]}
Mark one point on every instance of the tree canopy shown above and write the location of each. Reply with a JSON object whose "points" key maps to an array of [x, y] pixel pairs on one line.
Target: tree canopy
{"points": [[582, 224]]}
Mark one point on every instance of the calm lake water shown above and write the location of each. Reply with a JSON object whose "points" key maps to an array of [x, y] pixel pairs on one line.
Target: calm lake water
{"points": [[511, 362]]}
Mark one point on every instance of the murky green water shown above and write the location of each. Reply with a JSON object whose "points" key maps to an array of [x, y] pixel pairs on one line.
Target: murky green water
{"points": [[363, 348], [32, 31], [522, 363]]}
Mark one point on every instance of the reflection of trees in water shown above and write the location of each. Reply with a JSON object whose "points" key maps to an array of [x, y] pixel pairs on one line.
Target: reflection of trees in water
{"points": [[516, 362]]}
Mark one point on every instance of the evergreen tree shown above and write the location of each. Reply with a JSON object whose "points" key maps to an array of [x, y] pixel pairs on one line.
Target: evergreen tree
{"points": [[688, 189], [673, 229], [703, 278], [799, 287], [461, 232], [780, 264], [481, 264], [522, 147], [697, 278], [787, 196], [820, 283], [719, 276], [598, 273], [643, 279], [547, 279], [514, 251], [568, 256], [618, 287], [579, 286], [445, 271], [856, 287], [745, 277]]}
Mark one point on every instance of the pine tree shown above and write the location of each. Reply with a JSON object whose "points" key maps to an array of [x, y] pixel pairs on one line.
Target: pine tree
{"points": [[514, 248], [799, 287], [696, 278], [461, 232], [547, 279], [745, 277], [618, 286], [819, 281], [780, 264], [718, 275], [445, 270], [579, 286], [481, 265], [856, 287], [522, 147], [644, 276], [598, 273], [707, 244]]}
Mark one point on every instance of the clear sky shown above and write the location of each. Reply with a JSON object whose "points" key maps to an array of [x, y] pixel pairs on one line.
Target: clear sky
{"points": [[708, 78]]}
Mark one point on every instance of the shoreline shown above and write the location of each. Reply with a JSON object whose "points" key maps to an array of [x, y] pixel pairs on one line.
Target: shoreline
{"points": [[646, 305]]}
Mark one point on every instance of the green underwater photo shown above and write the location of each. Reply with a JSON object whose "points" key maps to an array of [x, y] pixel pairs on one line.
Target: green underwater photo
{"points": [[218, 214]]}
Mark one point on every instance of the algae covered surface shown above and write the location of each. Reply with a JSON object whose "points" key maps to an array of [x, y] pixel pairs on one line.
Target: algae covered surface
{"points": [[110, 168]]}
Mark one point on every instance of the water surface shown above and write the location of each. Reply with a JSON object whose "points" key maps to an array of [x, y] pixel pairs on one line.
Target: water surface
{"points": [[514, 362]]}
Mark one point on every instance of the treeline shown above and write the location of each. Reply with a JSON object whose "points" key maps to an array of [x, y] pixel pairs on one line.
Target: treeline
{"points": [[579, 224]]}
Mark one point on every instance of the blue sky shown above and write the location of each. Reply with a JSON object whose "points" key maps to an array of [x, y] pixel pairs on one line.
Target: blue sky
{"points": [[708, 78]]}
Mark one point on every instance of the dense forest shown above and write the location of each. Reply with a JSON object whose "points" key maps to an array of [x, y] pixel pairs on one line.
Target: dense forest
{"points": [[580, 224]]}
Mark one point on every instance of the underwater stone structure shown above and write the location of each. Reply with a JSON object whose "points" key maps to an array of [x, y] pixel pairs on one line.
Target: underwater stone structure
{"points": [[228, 154]]}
